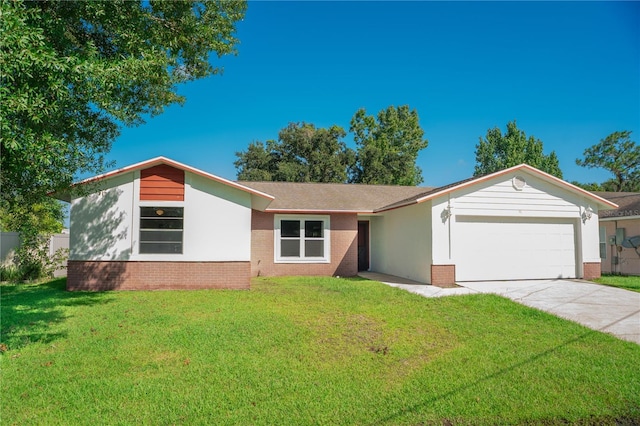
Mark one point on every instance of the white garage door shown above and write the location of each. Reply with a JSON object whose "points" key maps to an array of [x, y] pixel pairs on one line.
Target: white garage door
{"points": [[512, 248]]}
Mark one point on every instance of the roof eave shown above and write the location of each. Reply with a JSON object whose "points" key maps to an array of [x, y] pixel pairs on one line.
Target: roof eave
{"points": [[617, 218], [319, 211], [393, 206]]}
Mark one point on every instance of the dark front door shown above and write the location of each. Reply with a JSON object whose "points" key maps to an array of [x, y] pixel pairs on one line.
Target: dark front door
{"points": [[363, 245]]}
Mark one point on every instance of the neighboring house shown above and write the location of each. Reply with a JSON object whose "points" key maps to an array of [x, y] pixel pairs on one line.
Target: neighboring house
{"points": [[161, 224], [617, 229]]}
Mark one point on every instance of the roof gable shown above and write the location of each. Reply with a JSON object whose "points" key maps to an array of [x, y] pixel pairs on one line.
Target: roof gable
{"points": [[601, 202], [158, 161]]}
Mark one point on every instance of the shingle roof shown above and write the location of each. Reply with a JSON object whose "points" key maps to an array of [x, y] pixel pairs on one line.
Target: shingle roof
{"points": [[338, 197], [308, 197], [628, 204], [428, 191]]}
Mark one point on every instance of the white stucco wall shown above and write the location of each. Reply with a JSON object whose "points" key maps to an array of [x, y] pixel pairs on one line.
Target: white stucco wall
{"points": [[377, 251], [101, 222], [217, 222], [442, 230], [590, 236], [401, 242]]}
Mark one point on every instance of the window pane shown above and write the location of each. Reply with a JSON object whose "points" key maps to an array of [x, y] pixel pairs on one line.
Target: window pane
{"points": [[161, 211], [162, 248], [290, 248], [603, 250], [289, 228], [159, 236], [313, 228], [314, 248], [161, 223], [161, 230]]}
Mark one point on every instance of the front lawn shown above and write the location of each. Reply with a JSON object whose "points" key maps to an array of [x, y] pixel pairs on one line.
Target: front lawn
{"points": [[304, 351], [627, 282]]}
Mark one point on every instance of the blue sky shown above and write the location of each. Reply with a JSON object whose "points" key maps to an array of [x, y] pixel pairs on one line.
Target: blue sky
{"points": [[569, 73]]}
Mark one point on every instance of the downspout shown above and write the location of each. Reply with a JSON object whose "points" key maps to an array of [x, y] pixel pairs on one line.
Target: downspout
{"points": [[615, 250], [136, 196]]}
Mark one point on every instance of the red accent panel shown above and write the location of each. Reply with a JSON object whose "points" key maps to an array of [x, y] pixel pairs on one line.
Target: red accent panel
{"points": [[162, 183]]}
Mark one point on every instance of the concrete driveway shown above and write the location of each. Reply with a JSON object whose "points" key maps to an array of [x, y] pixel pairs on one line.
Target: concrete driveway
{"points": [[607, 309]]}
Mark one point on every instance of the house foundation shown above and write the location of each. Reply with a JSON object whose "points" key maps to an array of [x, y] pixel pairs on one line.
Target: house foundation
{"points": [[591, 270], [443, 275], [126, 275]]}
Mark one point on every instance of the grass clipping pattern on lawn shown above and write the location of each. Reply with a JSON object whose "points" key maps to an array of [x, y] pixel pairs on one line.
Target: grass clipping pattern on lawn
{"points": [[304, 350]]}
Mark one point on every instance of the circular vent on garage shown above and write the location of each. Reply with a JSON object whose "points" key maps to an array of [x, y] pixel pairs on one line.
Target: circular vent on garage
{"points": [[518, 183]]}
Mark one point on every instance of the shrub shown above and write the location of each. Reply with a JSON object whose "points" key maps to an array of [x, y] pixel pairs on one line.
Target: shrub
{"points": [[32, 261], [9, 273]]}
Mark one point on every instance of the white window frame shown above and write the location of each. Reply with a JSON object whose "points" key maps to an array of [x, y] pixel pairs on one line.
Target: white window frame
{"points": [[603, 242], [141, 230], [135, 243], [302, 258]]}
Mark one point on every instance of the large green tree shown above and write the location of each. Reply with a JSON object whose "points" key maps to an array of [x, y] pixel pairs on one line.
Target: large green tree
{"points": [[45, 217], [497, 151], [387, 147], [302, 153], [72, 72], [618, 154]]}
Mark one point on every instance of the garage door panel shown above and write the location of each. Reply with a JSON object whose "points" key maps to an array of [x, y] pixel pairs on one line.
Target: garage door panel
{"points": [[510, 248]]}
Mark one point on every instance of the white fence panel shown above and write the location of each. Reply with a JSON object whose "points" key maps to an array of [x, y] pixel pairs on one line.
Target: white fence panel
{"points": [[57, 242], [10, 242]]}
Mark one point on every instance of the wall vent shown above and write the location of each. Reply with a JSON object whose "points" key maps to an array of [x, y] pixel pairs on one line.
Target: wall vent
{"points": [[518, 183]]}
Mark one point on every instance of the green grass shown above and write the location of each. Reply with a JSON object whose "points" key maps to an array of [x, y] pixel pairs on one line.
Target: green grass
{"points": [[626, 282], [304, 351]]}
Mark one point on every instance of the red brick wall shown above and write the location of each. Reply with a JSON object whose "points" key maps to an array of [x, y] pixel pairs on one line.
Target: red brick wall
{"points": [[443, 275], [591, 270], [344, 248], [118, 275]]}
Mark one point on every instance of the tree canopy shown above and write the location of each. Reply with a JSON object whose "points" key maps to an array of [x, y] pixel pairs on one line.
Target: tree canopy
{"points": [[302, 153], [589, 186], [499, 151], [388, 146], [618, 154], [73, 72], [45, 217], [387, 149]]}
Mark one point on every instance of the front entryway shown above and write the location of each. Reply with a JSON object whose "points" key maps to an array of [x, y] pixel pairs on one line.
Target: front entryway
{"points": [[363, 245]]}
